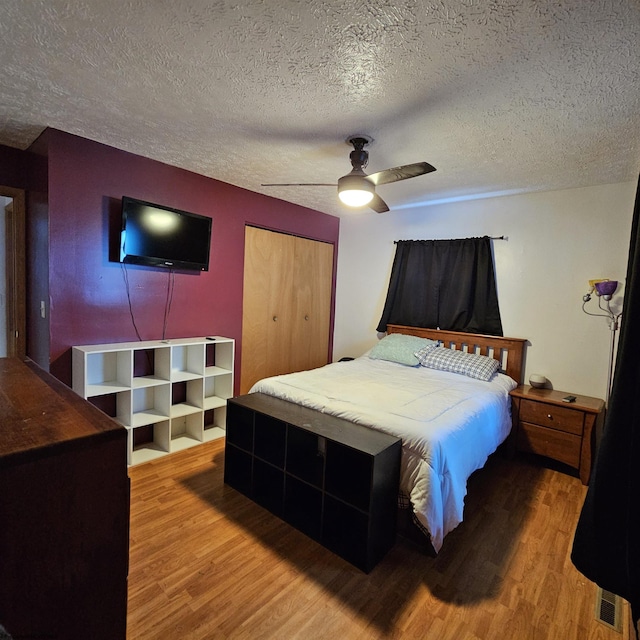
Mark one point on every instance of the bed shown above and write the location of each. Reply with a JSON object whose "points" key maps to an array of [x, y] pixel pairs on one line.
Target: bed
{"points": [[449, 422]]}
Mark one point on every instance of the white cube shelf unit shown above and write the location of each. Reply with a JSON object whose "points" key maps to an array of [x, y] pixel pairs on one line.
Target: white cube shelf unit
{"points": [[170, 394]]}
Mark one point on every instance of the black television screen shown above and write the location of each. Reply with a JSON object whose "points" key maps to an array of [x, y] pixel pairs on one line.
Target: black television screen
{"points": [[160, 236]]}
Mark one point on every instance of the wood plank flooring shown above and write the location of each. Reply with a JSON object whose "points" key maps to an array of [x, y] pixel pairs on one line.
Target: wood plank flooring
{"points": [[206, 562]]}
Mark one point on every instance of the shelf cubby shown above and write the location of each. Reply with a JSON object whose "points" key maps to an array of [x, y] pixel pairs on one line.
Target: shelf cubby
{"points": [[214, 423], [151, 367], [186, 431], [149, 405], [107, 372], [187, 362], [154, 442], [217, 389]]}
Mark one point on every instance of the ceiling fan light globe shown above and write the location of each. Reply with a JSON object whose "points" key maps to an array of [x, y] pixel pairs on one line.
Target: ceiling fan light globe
{"points": [[355, 190], [355, 197]]}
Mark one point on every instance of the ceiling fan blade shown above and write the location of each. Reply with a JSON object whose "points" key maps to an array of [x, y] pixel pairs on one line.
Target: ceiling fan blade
{"points": [[300, 184], [400, 173], [378, 204]]}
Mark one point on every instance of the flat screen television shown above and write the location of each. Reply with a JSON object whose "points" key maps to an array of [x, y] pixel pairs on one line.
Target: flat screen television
{"points": [[160, 236]]}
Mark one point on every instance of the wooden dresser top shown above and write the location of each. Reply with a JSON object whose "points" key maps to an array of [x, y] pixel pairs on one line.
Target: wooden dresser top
{"points": [[38, 413]]}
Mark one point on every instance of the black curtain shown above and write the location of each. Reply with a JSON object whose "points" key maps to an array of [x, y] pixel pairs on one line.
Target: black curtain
{"points": [[446, 284], [606, 547]]}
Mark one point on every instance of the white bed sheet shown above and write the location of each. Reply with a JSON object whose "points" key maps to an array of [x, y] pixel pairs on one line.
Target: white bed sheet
{"points": [[449, 424]]}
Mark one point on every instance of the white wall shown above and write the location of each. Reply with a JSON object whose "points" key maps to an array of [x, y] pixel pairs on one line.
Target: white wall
{"points": [[556, 242]]}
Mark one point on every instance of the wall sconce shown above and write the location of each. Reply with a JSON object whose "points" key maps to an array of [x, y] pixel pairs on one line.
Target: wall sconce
{"points": [[604, 290]]}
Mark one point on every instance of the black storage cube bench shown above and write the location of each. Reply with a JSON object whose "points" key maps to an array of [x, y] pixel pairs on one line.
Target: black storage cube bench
{"points": [[334, 480]]}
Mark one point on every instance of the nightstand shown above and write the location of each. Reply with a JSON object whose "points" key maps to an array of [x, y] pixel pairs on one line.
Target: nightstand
{"points": [[564, 431]]}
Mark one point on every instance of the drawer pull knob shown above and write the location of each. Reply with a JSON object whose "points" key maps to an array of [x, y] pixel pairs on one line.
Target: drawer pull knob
{"points": [[549, 416]]}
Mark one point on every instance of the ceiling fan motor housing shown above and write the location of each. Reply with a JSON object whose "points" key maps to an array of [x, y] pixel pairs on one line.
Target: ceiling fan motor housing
{"points": [[359, 157]]}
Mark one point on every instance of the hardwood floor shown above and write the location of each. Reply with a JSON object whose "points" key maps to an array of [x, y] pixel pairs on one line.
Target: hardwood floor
{"points": [[206, 562]]}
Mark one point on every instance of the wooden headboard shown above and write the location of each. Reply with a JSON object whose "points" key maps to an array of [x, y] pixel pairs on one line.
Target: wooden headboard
{"points": [[509, 352]]}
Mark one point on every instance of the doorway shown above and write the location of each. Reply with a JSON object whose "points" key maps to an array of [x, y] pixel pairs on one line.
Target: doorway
{"points": [[12, 275]]}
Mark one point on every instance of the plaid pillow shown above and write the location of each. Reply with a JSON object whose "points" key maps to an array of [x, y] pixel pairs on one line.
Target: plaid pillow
{"points": [[468, 364]]}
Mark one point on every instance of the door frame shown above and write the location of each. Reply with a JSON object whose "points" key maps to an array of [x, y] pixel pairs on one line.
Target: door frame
{"points": [[15, 240]]}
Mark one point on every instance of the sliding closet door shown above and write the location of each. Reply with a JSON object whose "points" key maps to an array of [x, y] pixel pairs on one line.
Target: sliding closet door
{"points": [[266, 310], [312, 304], [286, 304]]}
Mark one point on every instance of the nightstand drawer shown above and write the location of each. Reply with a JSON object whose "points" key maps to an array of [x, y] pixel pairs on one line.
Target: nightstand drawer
{"points": [[553, 417], [558, 445]]}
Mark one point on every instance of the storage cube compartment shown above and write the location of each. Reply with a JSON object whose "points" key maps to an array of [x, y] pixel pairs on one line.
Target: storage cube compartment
{"points": [[215, 421], [149, 405], [107, 403], [238, 469], [217, 389], [108, 372], [186, 431], [268, 486], [219, 356], [269, 439], [148, 442], [187, 362], [303, 507], [240, 427], [348, 475], [148, 368], [345, 532], [186, 398], [305, 455], [143, 362], [115, 405], [124, 408]]}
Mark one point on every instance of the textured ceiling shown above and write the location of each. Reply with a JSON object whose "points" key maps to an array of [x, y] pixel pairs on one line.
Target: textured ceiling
{"points": [[501, 96]]}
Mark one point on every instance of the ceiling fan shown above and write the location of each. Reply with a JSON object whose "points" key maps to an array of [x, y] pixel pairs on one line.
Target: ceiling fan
{"points": [[358, 189]]}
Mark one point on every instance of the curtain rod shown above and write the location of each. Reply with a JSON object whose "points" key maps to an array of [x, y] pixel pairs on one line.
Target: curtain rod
{"points": [[490, 238]]}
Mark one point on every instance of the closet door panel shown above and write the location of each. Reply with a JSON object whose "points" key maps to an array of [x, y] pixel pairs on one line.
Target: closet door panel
{"points": [[312, 304], [267, 312]]}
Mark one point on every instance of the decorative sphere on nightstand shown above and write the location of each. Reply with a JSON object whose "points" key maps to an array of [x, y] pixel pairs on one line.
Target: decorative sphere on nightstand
{"points": [[538, 381]]}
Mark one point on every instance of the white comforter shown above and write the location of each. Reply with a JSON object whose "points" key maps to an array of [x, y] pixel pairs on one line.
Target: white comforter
{"points": [[449, 424]]}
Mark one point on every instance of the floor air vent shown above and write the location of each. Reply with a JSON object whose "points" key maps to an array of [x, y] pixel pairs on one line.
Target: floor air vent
{"points": [[608, 609]]}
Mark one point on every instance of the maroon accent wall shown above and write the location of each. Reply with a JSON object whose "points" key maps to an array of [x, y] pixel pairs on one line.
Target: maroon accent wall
{"points": [[13, 167], [37, 252], [88, 299]]}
